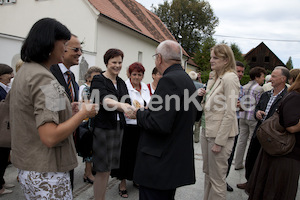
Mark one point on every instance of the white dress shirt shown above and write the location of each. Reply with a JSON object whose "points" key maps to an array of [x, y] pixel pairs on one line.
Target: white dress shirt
{"points": [[64, 69], [5, 87]]}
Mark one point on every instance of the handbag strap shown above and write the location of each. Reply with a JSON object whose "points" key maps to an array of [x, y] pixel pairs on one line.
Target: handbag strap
{"points": [[281, 101]]}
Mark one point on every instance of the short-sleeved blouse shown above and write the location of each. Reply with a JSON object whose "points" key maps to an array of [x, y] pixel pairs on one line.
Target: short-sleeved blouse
{"points": [[289, 116], [37, 98]]}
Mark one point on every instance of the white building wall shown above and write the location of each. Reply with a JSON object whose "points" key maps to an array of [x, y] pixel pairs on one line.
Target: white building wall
{"points": [[98, 33], [130, 42], [10, 48], [18, 18]]}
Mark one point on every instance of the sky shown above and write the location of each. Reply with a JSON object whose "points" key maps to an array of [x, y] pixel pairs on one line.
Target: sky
{"points": [[248, 23]]}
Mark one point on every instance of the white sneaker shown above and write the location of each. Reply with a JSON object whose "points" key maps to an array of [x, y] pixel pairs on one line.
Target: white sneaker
{"points": [[9, 185], [5, 191]]}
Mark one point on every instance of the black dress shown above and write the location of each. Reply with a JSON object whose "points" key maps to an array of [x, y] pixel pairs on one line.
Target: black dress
{"points": [[128, 153], [276, 177]]}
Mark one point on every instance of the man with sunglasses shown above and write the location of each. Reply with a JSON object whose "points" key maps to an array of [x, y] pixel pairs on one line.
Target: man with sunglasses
{"points": [[62, 71], [65, 76]]}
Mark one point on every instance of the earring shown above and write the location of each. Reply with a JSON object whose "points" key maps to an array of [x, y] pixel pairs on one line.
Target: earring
{"points": [[50, 54]]}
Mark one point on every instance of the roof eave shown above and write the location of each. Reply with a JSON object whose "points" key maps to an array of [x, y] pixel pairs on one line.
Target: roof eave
{"points": [[109, 18]]}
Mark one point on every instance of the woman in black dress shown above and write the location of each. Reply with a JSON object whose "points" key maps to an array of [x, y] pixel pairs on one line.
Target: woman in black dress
{"points": [[140, 97], [110, 121], [276, 177]]}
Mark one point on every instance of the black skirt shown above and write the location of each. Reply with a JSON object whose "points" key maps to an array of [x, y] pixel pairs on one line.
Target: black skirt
{"points": [[128, 153], [107, 148], [273, 178]]}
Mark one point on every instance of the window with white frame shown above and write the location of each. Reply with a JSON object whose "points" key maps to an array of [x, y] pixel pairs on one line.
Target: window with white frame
{"points": [[140, 56], [7, 1]]}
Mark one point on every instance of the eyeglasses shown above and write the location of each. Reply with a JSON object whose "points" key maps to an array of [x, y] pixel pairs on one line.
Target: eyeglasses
{"points": [[154, 56], [76, 49]]}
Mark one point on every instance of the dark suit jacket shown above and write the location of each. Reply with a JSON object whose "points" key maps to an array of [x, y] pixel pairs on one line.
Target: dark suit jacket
{"points": [[263, 102], [60, 77], [3, 93], [165, 155]]}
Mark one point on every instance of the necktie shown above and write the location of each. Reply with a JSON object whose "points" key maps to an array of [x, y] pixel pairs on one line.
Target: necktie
{"points": [[69, 84]]}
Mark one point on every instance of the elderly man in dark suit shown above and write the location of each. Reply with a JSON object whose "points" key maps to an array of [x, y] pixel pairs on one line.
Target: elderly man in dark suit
{"points": [[267, 105], [66, 77], [165, 155]]}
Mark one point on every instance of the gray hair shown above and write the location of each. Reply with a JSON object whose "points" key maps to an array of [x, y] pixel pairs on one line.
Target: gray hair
{"points": [[170, 50], [284, 71]]}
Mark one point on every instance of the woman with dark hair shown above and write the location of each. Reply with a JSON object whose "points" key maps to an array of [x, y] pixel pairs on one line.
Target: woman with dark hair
{"points": [[6, 74], [41, 119], [140, 97], [110, 121], [276, 177], [155, 76]]}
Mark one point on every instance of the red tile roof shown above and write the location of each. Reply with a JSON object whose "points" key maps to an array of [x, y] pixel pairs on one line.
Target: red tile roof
{"points": [[135, 16]]}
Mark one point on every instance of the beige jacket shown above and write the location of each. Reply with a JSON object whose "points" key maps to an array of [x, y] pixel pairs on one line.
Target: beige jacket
{"points": [[220, 108], [35, 99]]}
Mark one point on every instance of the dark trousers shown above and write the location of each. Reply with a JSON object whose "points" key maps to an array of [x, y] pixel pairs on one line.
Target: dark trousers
{"points": [[72, 178], [153, 194], [4, 155], [252, 154], [230, 159]]}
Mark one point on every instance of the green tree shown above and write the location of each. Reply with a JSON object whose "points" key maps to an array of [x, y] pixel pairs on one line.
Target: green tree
{"points": [[190, 21], [289, 63], [238, 55], [202, 55], [237, 52]]}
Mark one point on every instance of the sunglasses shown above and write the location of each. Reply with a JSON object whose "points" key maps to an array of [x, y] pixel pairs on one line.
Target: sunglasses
{"points": [[75, 49]]}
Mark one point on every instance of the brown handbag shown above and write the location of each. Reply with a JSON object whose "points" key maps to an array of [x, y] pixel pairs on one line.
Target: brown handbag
{"points": [[274, 138], [5, 136]]}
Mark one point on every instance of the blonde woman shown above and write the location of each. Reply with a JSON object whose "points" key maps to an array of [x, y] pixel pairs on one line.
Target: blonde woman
{"points": [[219, 120]]}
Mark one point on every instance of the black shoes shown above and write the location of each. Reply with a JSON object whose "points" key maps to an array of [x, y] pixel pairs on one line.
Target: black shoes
{"points": [[229, 188], [86, 179]]}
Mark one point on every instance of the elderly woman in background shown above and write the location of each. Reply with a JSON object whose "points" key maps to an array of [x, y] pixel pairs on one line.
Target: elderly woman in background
{"points": [[84, 90], [219, 121], [276, 177], [6, 74], [84, 94], [41, 119], [110, 122], [140, 97]]}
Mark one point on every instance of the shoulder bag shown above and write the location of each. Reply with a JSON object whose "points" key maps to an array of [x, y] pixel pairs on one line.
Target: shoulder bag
{"points": [[274, 138]]}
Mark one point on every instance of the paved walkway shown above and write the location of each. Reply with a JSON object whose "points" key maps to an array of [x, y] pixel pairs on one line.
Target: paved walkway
{"points": [[84, 191]]}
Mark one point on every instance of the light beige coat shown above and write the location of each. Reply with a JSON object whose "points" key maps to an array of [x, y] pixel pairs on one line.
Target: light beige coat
{"points": [[220, 107], [37, 98]]}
